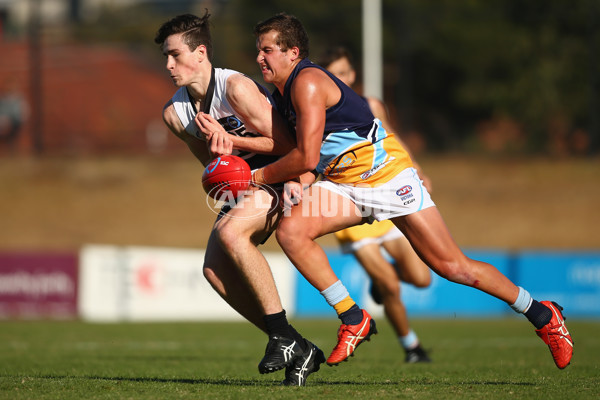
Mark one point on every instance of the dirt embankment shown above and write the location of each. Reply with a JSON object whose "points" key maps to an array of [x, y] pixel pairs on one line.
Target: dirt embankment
{"points": [[61, 204]]}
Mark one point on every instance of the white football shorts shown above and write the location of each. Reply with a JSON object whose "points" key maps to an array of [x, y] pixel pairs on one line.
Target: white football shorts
{"points": [[402, 195]]}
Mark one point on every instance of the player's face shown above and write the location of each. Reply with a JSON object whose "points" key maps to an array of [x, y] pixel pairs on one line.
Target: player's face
{"points": [[275, 64], [342, 69], [182, 63]]}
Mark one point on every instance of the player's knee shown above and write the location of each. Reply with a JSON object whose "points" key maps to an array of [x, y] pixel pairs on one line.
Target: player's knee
{"points": [[285, 234], [416, 273], [228, 235], [282, 237], [389, 288], [422, 280], [453, 271]]}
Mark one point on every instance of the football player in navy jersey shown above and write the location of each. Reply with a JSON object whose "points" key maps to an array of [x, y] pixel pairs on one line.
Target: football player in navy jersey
{"points": [[368, 175]]}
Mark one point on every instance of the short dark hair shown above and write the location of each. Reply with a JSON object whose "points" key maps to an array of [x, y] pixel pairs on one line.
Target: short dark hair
{"points": [[333, 54], [195, 31], [290, 30]]}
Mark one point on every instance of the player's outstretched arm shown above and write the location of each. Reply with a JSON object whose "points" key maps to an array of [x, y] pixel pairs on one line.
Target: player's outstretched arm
{"points": [[312, 92], [259, 116]]}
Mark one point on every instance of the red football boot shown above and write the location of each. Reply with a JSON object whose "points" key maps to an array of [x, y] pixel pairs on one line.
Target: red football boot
{"points": [[556, 336], [350, 337]]}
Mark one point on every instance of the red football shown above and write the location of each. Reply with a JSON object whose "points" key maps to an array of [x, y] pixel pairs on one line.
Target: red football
{"points": [[225, 177]]}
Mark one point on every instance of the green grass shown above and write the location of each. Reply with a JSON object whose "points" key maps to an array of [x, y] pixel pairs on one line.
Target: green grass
{"points": [[472, 359]]}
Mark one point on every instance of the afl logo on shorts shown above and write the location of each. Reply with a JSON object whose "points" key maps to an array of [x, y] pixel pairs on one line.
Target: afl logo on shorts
{"points": [[404, 190]]}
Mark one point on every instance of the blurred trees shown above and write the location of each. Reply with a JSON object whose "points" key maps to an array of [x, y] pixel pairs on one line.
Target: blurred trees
{"points": [[499, 75], [472, 75], [491, 75]]}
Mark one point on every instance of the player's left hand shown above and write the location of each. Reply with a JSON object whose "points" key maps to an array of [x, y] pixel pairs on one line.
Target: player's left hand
{"points": [[292, 194]]}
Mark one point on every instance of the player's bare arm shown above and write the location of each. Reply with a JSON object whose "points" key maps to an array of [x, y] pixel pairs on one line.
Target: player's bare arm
{"points": [[198, 147], [221, 142], [312, 93], [259, 115]]}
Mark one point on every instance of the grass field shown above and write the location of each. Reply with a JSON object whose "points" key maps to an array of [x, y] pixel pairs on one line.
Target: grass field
{"points": [[472, 359], [62, 204]]}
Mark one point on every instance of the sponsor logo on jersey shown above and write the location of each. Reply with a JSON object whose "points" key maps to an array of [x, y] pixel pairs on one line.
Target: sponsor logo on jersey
{"points": [[233, 125], [340, 164], [373, 171]]}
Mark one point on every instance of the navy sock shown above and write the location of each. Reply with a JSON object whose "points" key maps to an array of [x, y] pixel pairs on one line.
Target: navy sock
{"points": [[538, 314], [352, 316]]}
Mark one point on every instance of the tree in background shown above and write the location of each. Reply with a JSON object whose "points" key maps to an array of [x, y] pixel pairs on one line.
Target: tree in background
{"points": [[502, 76], [520, 75]]}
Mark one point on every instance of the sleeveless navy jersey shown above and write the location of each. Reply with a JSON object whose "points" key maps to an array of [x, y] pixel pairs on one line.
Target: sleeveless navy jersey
{"points": [[355, 148], [352, 112]]}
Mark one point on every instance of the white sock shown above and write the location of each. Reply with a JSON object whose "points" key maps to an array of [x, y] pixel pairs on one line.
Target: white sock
{"points": [[410, 341], [523, 301], [335, 293]]}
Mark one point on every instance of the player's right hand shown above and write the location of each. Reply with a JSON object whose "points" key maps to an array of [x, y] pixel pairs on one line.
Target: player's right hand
{"points": [[292, 194], [220, 144]]}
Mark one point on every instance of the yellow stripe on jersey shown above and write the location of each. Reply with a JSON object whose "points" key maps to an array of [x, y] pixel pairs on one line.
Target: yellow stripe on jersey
{"points": [[369, 163]]}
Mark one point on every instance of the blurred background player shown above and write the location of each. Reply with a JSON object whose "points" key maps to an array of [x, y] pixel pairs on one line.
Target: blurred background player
{"points": [[367, 241], [209, 103]]}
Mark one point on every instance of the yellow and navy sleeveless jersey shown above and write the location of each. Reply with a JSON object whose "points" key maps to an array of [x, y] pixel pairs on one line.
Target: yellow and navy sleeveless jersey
{"points": [[355, 148], [219, 108]]}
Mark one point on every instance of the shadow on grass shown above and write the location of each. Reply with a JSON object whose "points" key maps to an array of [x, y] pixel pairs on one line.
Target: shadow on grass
{"points": [[315, 382]]}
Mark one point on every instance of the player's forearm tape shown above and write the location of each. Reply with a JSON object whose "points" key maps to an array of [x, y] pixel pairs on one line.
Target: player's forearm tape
{"points": [[258, 177]]}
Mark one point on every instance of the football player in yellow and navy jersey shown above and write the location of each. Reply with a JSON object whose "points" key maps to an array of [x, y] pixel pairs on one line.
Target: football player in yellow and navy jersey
{"points": [[367, 175]]}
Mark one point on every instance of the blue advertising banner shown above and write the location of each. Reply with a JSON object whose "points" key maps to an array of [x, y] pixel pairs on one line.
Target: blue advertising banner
{"points": [[570, 278], [448, 299], [310, 303]]}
